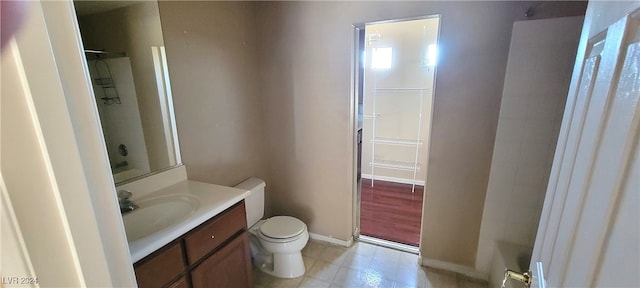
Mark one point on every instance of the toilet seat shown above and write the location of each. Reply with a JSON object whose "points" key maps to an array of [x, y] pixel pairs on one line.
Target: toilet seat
{"points": [[278, 240], [278, 228]]}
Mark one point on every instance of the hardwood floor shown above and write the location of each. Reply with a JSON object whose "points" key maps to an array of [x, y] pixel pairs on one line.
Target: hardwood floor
{"points": [[391, 211]]}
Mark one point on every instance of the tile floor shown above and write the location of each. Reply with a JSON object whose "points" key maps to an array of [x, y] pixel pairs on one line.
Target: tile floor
{"points": [[363, 265]]}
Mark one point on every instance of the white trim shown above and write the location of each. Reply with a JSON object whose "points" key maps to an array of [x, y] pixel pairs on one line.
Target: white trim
{"points": [[162, 100], [172, 114], [393, 179], [457, 268], [389, 244], [353, 128], [165, 99], [14, 231], [330, 239], [92, 210], [538, 278]]}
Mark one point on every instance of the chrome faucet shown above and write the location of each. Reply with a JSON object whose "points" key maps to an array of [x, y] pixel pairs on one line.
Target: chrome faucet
{"points": [[524, 277], [124, 199]]}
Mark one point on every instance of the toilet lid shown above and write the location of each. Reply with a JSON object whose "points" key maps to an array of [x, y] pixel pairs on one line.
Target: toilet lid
{"points": [[282, 227]]}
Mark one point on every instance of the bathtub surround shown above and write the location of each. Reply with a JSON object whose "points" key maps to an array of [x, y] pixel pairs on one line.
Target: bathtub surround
{"points": [[263, 89], [120, 121], [539, 70]]}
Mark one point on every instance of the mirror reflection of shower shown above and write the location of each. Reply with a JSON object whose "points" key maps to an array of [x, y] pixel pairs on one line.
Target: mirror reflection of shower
{"points": [[114, 89], [103, 77], [128, 65]]}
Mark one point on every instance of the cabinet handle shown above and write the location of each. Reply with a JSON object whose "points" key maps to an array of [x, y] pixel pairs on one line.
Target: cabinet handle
{"points": [[213, 237]]}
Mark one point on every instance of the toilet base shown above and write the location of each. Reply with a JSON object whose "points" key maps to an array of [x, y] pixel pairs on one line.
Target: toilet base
{"points": [[288, 265]]}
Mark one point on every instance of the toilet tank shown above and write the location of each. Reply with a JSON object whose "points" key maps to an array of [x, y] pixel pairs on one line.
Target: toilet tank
{"points": [[255, 201]]}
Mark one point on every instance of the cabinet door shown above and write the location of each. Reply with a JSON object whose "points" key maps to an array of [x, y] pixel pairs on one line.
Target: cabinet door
{"points": [[229, 267], [160, 268]]}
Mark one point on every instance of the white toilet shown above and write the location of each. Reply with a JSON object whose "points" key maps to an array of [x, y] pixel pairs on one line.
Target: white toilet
{"points": [[277, 242]]}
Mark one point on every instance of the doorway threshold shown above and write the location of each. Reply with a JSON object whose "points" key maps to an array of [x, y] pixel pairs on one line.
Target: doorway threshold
{"points": [[389, 244]]}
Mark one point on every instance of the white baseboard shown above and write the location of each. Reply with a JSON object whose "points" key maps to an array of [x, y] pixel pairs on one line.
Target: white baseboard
{"points": [[389, 244], [437, 264], [457, 268], [330, 239], [393, 179]]}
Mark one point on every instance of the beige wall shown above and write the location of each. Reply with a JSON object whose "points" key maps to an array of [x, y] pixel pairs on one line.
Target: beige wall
{"points": [[213, 60], [305, 69], [134, 29]]}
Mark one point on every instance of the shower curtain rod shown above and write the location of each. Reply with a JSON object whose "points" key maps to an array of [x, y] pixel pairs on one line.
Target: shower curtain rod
{"points": [[121, 54]]}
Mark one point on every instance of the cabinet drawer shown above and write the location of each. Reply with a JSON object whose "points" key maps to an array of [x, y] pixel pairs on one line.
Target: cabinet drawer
{"points": [[161, 267], [214, 232]]}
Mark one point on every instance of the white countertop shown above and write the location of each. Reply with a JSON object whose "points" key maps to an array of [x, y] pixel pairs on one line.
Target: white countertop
{"points": [[213, 199]]}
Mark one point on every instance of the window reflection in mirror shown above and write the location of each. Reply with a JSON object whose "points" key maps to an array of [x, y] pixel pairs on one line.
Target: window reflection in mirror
{"points": [[126, 60]]}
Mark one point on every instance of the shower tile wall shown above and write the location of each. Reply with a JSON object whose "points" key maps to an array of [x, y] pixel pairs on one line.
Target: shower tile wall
{"points": [[539, 69]]}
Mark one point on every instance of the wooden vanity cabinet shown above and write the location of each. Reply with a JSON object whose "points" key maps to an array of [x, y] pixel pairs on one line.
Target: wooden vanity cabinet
{"points": [[180, 283], [225, 268], [214, 254]]}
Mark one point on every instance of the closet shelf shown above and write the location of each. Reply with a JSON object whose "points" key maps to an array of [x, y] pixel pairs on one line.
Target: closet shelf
{"points": [[105, 82], [398, 165], [397, 141]]}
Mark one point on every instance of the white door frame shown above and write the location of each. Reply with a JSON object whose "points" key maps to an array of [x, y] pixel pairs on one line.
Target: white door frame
{"points": [[357, 83], [62, 126]]}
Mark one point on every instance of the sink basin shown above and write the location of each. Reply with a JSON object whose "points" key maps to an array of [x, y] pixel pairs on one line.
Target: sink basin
{"points": [[155, 214]]}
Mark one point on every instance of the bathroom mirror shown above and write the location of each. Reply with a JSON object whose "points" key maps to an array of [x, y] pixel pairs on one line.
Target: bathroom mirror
{"points": [[126, 59]]}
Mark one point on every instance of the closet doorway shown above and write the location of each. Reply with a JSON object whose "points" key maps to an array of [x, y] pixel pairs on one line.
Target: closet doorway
{"points": [[395, 95]]}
